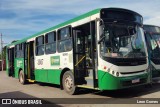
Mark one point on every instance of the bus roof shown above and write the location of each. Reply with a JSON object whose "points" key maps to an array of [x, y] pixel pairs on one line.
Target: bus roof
{"points": [[151, 28], [59, 25], [90, 13]]}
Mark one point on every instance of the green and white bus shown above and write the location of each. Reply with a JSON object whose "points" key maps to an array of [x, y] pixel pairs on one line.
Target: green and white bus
{"points": [[152, 35], [103, 49]]}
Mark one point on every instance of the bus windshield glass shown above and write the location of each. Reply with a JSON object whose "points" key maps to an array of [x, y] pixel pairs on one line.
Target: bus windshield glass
{"points": [[122, 41], [151, 29], [155, 45]]}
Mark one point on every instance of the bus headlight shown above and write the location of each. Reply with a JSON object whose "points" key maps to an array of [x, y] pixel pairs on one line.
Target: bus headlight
{"points": [[108, 70], [113, 72], [117, 74]]}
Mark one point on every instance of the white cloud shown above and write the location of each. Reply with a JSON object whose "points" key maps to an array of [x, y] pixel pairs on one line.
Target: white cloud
{"points": [[153, 21]]}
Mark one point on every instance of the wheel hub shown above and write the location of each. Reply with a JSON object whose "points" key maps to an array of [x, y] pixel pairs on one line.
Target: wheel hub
{"points": [[68, 82]]}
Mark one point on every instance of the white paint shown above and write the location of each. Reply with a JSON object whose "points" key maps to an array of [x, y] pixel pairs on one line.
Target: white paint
{"points": [[12, 46]]}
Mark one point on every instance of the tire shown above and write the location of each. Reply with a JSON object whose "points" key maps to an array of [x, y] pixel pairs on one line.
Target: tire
{"points": [[68, 83], [22, 78]]}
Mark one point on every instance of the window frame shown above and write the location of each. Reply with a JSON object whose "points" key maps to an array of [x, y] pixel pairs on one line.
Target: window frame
{"points": [[50, 43], [59, 38], [19, 48], [37, 46]]}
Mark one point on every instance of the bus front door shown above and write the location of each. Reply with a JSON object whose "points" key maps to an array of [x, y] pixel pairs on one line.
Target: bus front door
{"points": [[29, 60], [84, 55], [11, 62]]}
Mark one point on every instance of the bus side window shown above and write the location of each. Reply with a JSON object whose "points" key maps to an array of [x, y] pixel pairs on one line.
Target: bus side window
{"points": [[64, 40], [50, 43], [19, 51], [40, 45]]}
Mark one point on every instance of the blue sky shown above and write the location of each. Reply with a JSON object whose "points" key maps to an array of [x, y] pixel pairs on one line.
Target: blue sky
{"points": [[22, 18]]}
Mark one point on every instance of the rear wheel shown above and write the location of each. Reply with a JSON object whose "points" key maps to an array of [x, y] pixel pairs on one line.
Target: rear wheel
{"points": [[68, 83], [22, 79]]}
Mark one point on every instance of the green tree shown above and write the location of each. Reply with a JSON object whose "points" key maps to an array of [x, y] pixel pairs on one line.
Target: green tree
{"points": [[3, 52]]}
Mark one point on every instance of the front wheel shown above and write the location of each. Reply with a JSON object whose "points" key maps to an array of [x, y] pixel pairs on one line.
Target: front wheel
{"points": [[22, 79], [68, 83]]}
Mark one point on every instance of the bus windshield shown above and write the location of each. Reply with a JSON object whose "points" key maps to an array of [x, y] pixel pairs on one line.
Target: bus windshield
{"points": [[155, 45], [122, 41]]}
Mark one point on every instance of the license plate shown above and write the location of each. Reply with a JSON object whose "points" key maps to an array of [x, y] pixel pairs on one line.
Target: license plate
{"points": [[135, 80]]}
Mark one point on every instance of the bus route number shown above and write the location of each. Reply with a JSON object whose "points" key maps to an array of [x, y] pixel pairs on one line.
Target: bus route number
{"points": [[40, 62]]}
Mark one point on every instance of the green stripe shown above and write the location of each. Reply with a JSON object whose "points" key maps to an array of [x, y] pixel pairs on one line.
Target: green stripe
{"points": [[48, 75]]}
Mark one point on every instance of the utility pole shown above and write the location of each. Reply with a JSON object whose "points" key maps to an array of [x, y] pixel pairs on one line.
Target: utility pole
{"points": [[1, 52], [2, 63]]}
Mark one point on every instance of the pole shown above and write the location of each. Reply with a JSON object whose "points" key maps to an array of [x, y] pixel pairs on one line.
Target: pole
{"points": [[1, 52]]}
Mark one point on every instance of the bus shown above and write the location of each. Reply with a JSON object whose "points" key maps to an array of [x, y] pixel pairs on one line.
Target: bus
{"points": [[152, 35], [103, 49]]}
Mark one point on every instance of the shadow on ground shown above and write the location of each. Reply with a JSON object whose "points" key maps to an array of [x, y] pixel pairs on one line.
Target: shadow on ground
{"points": [[23, 96], [125, 93], [122, 93]]}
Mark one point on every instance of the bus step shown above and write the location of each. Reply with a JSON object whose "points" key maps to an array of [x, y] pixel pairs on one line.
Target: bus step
{"points": [[90, 73], [87, 86], [89, 77], [31, 80], [89, 81]]}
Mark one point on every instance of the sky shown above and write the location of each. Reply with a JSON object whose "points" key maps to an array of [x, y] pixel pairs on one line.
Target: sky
{"points": [[22, 18]]}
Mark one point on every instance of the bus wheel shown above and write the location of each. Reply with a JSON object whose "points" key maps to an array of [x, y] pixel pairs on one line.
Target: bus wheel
{"points": [[21, 77], [68, 83]]}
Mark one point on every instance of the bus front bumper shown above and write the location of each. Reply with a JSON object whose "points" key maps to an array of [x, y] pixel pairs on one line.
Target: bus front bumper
{"points": [[107, 81]]}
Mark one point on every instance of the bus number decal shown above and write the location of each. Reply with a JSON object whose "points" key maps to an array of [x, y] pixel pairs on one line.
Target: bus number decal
{"points": [[40, 62], [65, 54]]}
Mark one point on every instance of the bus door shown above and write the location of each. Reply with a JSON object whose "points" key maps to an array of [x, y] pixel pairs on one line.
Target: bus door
{"points": [[84, 55], [11, 61], [29, 60]]}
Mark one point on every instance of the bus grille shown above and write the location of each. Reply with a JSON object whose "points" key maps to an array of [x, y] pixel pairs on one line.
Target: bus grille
{"points": [[124, 73], [129, 83]]}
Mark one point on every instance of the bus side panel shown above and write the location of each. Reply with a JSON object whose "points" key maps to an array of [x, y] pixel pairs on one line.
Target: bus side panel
{"points": [[41, 75], [155, 73], [107, 81], [48, 75], [54, 76], [18, 64]]}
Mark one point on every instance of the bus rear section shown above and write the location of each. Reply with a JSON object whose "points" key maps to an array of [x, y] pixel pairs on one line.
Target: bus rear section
{"points": [[152, 35], [122, 60]]}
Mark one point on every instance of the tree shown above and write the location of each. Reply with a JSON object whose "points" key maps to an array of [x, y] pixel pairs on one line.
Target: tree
{"points": [[3, 52]]}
